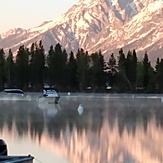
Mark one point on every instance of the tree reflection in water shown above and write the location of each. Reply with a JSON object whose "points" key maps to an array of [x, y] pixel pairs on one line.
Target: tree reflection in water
{"points": [[112, 130]]}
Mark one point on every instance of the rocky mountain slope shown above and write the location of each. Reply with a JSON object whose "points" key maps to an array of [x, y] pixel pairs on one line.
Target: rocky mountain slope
{"points": [[105, 25]]}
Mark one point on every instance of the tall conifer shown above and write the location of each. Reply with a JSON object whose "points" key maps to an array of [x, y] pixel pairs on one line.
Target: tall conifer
{"points": [[2, 72], [10, 70], [22, 67]]}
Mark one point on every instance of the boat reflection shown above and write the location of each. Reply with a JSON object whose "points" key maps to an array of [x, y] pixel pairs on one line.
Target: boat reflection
{"points": [[107, 132], [49, 109]]}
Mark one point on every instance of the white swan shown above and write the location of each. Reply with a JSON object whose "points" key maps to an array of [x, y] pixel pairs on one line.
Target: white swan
{"points": [[80, 109]]}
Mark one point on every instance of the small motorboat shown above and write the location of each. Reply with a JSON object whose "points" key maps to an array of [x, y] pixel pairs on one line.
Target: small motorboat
{"points": [[4, 158], [51, 95], [15, 92], [12, 95], [16, 159]]}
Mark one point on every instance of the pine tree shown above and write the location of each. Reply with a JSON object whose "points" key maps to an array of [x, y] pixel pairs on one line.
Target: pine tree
{"points": [[22, 67], [10, 70], [131, 69], [149, 75], [128, 69], [121, 79], [72, 71], [60, 60], [159, 76], [37, 65], [146, 65], [56, 62], [82, 68], [152, 81], [140, 77], [121, 61], [134, 69], [64, 68], [32, 72], [156, 72], [93, 70], [112, 69], [101, 75], [51, 66], [2, 72], [40, 53], [157, 64]]}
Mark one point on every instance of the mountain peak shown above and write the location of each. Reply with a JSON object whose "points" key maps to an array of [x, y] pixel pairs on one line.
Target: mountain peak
{"points": [[87, 1], [91, 2], [105, 25], [11, 32]]}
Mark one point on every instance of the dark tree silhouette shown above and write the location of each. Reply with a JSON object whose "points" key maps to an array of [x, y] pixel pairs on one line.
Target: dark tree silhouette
{"points": [[10, 70], [22, 67], [2, 72]]}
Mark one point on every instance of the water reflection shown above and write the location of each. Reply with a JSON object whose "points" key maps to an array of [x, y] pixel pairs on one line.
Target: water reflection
{"points": [[49, 109], [108, 131]]}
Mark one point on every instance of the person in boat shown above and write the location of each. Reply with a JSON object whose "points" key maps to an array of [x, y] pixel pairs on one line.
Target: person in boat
{"points": [[44, 93], [48, 92]]}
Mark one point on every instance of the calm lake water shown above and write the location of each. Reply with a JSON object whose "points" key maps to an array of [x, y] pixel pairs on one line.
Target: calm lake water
{"points": [[111, 129]]}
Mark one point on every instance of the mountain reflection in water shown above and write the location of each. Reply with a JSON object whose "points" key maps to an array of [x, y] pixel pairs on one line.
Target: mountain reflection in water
{"points": [[109, 130]]}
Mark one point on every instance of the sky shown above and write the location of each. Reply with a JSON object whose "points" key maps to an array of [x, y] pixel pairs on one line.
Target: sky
{"points": [[30, 13]]}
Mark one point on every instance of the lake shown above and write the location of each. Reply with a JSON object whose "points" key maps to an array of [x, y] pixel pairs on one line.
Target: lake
{"points": [[109, 129]]}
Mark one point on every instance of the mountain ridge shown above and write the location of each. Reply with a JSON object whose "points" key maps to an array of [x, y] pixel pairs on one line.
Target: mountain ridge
{"points": [[105, 25]]}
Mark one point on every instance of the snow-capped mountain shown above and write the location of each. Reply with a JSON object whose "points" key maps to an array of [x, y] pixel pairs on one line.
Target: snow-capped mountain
{"points": [[105, 25], [11, 32]]}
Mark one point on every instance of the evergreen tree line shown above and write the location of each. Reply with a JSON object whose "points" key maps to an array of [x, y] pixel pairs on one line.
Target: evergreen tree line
{"points": [[31, 69]]}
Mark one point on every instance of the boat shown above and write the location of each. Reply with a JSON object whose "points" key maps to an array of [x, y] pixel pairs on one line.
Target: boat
{"points": [[50, 95], [4, 158], [16, 159], [13, 94]]}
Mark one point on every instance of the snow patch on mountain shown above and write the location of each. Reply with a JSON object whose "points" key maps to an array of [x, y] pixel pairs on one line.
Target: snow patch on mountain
{"points": [[98, 24], [13, 31]]}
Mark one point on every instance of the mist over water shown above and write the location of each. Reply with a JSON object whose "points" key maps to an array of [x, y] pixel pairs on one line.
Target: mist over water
{"points": [[111, 129]]}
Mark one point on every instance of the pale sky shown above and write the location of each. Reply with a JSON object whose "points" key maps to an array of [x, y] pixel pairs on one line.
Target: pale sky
{"points": [[30, 13]]}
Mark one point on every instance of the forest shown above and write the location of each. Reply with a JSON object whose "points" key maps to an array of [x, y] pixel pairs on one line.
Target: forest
{"points": [[32, 68]]}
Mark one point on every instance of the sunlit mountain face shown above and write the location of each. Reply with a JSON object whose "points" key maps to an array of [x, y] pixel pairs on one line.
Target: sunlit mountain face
{"points": [[109, 130], [94, 25]]}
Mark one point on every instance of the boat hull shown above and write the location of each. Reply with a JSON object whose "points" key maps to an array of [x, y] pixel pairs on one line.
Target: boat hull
{"points": [[16, 159], [14, 97], [49, 100]]}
